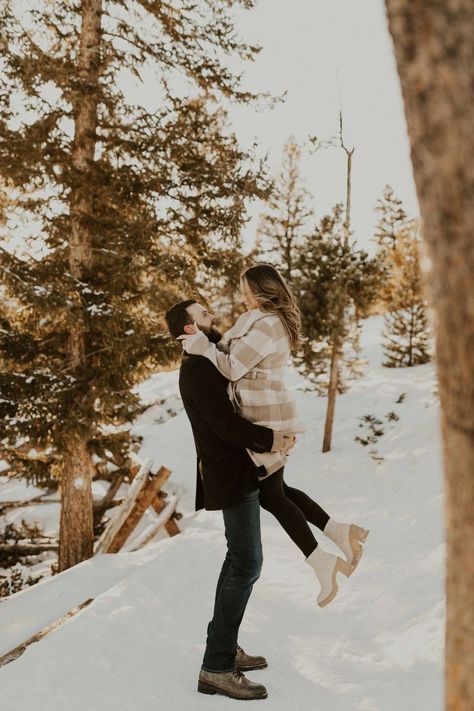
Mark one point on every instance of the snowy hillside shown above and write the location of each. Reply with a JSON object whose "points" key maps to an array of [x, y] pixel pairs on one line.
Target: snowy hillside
{"points": [[377, 647]]}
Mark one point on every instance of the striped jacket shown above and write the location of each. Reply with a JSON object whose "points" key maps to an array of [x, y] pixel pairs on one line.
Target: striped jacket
{"points": [[253, 355]]}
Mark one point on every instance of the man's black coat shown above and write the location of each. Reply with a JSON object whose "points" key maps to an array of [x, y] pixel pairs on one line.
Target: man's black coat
{"points": [[225, 472]]}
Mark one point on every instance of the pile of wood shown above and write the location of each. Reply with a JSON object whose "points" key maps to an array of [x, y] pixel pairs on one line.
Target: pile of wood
{"points": [[145, 491]]}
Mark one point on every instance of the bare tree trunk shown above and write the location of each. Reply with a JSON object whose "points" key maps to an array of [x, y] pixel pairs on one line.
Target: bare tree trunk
{"points": [[332, 394], [435, 55], [76, 538], [338, 341], [347, 220]]}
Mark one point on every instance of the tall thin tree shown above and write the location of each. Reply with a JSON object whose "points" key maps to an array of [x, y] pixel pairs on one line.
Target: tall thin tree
{"points": [[337, 336]]}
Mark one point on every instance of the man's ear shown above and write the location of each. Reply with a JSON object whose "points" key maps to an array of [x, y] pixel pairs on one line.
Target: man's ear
{"points": [[189, 329]]}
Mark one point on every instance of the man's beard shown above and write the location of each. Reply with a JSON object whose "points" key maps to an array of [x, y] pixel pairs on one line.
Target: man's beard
{"points": [[213, 334]]}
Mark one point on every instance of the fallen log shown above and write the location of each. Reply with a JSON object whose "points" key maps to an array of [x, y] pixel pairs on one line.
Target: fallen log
{"points": [[6, 505], [26, 548]]}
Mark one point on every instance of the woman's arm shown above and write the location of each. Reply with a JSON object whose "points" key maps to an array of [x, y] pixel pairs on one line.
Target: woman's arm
{"points": [[208, 392], [243, 354]]}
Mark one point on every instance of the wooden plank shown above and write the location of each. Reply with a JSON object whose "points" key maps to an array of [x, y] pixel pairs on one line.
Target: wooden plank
{"points": [[163, 518], [128, 503], [143, 501], [171, 526], [18, 651]]}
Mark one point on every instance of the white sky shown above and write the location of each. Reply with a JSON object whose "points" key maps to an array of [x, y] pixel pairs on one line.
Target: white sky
{"points": [[310, 48]]}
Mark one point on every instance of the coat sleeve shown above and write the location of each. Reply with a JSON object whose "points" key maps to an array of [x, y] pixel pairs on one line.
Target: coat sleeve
{"points": [[210, 398], [243, 354]]}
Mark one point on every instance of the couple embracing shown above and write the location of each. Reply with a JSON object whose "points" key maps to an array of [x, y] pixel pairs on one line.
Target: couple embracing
{"points": [[244, 423]]}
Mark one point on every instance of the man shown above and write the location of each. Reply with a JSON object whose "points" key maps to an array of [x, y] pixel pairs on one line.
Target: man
{"points": [[226, 479]]}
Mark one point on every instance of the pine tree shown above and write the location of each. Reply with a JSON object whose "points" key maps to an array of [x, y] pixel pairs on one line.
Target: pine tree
{"points": [[337, 344], [282, 226], [407, 334], [121, 197], [332, 277], [393, 219]]}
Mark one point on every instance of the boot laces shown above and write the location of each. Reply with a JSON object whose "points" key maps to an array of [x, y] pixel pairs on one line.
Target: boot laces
{"points": [[238, 676]]}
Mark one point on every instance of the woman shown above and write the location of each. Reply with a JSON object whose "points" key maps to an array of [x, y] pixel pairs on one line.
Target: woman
{"points": [[253, 356]]}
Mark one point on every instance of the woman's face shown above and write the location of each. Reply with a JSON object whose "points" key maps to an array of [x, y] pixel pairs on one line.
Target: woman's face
{"points": [[247, 297]]}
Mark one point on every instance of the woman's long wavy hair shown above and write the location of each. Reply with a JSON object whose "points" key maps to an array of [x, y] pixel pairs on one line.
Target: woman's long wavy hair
{"points": [[273, 295]]}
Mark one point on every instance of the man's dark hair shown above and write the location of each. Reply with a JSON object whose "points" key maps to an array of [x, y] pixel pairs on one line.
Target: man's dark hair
{"points": [[177, 317]]}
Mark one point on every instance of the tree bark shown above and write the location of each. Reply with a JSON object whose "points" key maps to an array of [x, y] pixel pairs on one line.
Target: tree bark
{"points": [[76, 535], [76, 538], [434, 50], [332, 394]]}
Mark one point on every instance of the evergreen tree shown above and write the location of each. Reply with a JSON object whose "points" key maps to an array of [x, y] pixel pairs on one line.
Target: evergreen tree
{"points": [[407, 335], [282, 226], [332, 277], [122, 198], [392, 219], [337, 345]]}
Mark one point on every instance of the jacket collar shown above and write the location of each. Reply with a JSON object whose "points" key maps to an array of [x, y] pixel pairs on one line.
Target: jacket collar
{"points": [[244, 323]]}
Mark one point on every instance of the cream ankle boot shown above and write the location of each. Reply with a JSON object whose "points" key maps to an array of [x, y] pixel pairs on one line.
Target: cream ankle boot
{"points": [[326, 566], [349, 538]]}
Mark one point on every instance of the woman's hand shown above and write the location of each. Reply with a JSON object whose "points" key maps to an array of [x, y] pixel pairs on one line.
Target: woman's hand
{"points": [[192, 331], [195, 343], [289, 444]]}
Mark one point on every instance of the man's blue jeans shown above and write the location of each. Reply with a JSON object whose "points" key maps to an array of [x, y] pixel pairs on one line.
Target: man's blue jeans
{"points": [[241, 568]]}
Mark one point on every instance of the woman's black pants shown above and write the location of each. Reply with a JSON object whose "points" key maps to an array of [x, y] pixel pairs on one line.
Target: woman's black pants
{"points": [[293, 509]]}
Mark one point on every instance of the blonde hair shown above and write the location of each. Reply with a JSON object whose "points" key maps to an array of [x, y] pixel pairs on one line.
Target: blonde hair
{"points": [[273, 295]]}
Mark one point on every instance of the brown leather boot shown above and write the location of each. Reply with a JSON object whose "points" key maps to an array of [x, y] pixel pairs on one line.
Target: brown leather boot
{"points": [[245, 662], [232, 684]]}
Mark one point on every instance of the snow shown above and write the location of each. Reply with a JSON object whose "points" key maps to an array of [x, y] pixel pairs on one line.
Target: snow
{"points": [[377, 647], [45, 515], [17, 490]]}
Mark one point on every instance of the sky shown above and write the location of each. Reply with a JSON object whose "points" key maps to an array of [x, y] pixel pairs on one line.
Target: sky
{"points": [[326, 54]]}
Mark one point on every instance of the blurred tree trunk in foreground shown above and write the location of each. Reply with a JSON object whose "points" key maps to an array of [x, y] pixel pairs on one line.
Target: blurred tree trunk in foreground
{"points": [[435, 55]]}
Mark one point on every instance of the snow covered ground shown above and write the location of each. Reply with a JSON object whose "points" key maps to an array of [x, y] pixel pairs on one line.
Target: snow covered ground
{"points": [[377, 647]]}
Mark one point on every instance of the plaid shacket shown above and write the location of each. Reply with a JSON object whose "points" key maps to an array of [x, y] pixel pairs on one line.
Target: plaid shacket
{"points": [[253, 355]]}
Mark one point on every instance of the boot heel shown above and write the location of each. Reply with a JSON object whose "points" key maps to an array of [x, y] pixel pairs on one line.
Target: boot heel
{"points": [[343, 567], [360, 534], [205, 689]]}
